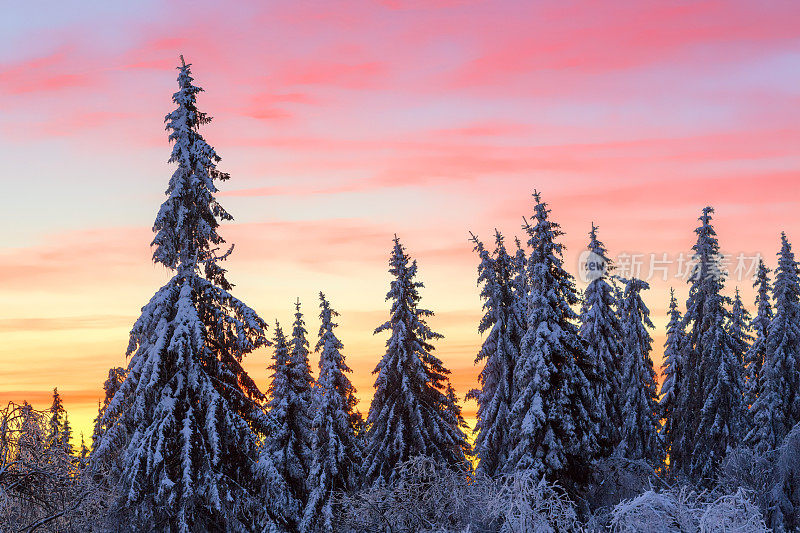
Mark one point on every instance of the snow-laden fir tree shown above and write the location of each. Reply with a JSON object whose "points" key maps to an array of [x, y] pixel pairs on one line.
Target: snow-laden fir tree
{"points": [[410, 414], [301, 390], [181, 430], [673, 388], [83, 454], [739, 327], [335, 449], [55, 432], [65, 439], [754, 356], [722, 416], [554, 418], [640, 416], [116, 376], [519, 284], [498, 353], [719, 371], [705, 314], [456, 413], [777, 408], [601, 330], [285, 453]]}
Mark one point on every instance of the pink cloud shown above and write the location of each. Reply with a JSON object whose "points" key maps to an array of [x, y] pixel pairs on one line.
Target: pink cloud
{"points": [[332, 74], [595, 37], [45, 74]]}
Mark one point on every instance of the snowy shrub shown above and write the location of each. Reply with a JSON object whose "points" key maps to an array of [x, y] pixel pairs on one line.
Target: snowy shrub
{"points": [[38, 479], [751, 470], [521, 503], [616, 479], [656, 512], [683, 510], [426, 497], [732, 513], [429, 497], [786, 491]]}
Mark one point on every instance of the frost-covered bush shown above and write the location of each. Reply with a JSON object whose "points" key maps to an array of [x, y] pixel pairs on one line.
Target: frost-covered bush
{"points": [[786, 491], [520, 503], [39, 479], [428, 497], [751, 470], [685, 511], [732, 513], [616, 479], [656, 512]]}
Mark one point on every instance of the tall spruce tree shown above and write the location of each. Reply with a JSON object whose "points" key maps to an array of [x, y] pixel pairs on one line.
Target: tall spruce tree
{"points": [[777, 408], [640, 417], [116, 376], [722, 415], [754, 357], [181, 428], [335, 449], [83, 454], [601, 330], [55, 432], [499, 354], [410, 414], [65, 439], [519, 284], [286, 451], [555, 422], [705, 314], [673, 397], [714, 412], [739, 328], [301, 390]]}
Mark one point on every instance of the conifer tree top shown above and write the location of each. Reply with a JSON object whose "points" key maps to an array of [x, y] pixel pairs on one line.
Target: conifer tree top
{"points": [[596, 246], [187, 222], [706, 250]]}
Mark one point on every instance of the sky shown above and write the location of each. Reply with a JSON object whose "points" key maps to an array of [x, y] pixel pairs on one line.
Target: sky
{"points": [[344, 123]]}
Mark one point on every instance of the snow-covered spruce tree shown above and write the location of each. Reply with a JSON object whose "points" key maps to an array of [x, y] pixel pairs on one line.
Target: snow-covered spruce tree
{"points": [[301, 390], [554, 418], [706, 338], [499, 354], [739, 327], [65, 439], [754, 356], [519, 283], [279, 459], [83, 453], [721, 418], [285, 453], [335, 449], [601, 330], [410, 414], [777, 408], [55, 432], [181, 430], [456, 415], [640, 417], [673, 388], [116, 376]]}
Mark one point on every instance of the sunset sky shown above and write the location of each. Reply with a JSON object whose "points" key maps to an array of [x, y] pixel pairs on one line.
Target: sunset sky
{"points": [[342, 123]]}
